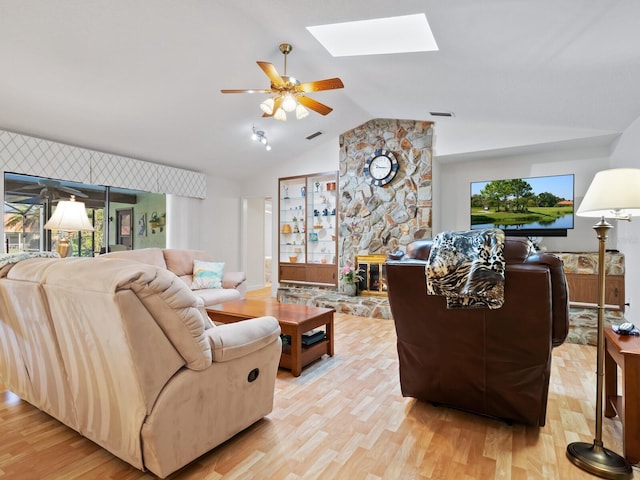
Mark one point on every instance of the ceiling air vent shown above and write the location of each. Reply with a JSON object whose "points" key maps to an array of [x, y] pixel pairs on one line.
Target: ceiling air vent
{"points": [[441, 114], [313, 135]]}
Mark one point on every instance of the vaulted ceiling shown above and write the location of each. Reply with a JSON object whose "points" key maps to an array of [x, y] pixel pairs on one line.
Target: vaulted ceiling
{"points": [[142, 78]]}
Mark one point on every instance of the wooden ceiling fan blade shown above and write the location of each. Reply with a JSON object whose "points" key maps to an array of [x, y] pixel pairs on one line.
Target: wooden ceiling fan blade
{"points": [[314, 105], [277, 103], [73, 191], [319, 85], [272, 73], [247, 90]]}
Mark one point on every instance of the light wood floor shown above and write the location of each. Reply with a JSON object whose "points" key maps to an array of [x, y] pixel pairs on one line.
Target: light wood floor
{"points": [[344, 418]]}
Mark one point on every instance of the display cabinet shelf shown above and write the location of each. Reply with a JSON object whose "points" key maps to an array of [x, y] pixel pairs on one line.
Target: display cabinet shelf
{"points": [[308, 246]]}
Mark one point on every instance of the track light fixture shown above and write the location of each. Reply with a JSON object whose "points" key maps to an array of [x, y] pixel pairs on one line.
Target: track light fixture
{"points": [[260, 136]]}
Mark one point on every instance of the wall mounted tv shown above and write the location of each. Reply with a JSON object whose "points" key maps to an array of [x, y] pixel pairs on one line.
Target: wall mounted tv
{"points": [[534, 206]]}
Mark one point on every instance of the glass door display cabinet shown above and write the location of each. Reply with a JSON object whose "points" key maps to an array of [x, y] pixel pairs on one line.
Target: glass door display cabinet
{"points": [[307, 222]]}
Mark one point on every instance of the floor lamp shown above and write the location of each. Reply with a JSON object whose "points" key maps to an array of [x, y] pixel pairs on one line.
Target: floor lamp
{"points": [[612, 194], [69, 216]]}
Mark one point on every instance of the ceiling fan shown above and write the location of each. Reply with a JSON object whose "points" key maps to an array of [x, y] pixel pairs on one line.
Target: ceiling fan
{"points": [[50, 190], [290, 94]]}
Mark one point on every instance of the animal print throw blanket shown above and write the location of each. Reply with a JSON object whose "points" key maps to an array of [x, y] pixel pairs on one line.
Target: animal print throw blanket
{"points": [[468, 268], [8, 260]]}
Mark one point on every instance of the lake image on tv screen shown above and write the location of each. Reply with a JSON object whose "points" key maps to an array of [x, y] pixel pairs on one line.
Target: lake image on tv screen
{"points": [[523, 203]]}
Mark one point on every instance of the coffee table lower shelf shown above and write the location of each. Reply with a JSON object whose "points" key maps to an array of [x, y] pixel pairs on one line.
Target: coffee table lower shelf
{"points": [[309, 354]]}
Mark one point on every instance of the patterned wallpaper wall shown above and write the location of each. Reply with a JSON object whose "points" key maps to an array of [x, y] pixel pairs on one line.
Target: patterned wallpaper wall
{"points": [[44, 158]]}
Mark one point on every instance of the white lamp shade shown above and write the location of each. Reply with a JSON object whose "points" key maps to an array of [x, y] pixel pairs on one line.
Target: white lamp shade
{"points": [[289, 103], [267, 106], [301, 112], [69, 216], [280, 115], [613, 193]]}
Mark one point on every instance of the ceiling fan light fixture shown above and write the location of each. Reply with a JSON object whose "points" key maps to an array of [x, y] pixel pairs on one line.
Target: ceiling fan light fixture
{"points": [[287, 91], [289, 103], [301, 112], [267, 106], [268, 148]]}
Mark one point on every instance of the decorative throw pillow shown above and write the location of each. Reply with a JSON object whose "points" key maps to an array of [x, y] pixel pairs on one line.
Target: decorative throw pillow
{"points": [[207, 274]]}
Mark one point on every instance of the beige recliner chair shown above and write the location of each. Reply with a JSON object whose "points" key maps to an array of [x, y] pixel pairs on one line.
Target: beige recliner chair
{"points": [[120, 352]]}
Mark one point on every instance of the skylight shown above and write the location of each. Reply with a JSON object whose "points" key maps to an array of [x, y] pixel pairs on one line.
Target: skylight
{"points": [[407, 33]]}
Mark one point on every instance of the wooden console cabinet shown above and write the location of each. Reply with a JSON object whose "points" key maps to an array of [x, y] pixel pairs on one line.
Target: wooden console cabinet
{"points": [[583, 289], [581, 270]]}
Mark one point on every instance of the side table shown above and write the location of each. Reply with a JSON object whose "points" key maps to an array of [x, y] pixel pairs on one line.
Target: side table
{"points": [[624, 351]]}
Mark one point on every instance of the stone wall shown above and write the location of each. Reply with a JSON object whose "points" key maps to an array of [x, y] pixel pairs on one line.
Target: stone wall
{"points": [[377, 220]]}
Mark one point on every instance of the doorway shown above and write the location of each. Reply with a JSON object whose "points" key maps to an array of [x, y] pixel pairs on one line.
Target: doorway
{"points": [[124, 230], [257, 241]]}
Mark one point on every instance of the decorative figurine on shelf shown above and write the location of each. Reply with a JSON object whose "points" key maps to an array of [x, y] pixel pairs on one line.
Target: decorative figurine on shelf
{"points": [[317, 186], [303, 191], [286, 190]]}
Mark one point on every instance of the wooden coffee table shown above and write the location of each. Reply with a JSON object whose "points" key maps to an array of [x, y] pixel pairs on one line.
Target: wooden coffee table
{"points": [[294, 320]]}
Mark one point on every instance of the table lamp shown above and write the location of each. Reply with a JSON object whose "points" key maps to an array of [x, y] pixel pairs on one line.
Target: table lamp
{"points": [[69, 216], [612, 194]]}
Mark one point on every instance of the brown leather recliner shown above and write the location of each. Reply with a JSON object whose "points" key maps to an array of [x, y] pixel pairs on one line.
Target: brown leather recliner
{"points": [[491, 362]]}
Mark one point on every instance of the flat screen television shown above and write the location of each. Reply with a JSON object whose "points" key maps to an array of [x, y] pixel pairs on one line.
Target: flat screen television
{"points": [[533, 206]]}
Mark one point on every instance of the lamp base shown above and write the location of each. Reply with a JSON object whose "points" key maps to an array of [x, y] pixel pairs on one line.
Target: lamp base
{"points": [[600, 461], [63, 247]]}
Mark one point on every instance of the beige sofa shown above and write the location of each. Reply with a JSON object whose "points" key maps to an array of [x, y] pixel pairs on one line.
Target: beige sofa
{"points": [[119, 351], [180, 262]]}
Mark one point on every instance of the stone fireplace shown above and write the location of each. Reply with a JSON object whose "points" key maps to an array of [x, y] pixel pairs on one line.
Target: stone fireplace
{"points": [[376, 220]]}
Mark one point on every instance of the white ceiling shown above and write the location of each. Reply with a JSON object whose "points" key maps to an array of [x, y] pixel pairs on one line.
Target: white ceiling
{"points": [[142, 78]]}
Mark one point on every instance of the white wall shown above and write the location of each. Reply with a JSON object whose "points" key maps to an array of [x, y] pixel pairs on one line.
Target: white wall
{"points": [[253, 240], [183, 222], [627, 154], [452, 188], [212, 224]]}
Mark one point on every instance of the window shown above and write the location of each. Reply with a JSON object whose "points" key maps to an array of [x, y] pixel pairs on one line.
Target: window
{"points": [[30, 201]]}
